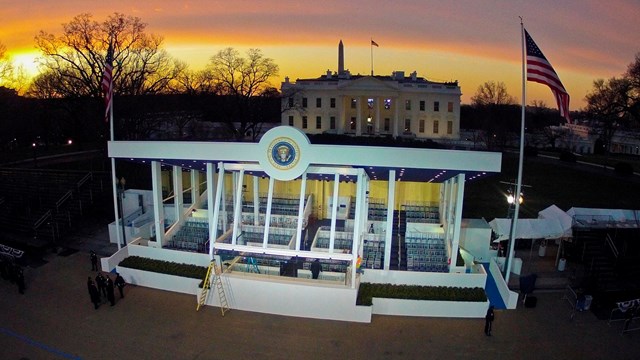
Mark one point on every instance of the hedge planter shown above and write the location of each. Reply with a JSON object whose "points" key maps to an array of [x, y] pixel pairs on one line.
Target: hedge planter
{"points": [[159, 281]]}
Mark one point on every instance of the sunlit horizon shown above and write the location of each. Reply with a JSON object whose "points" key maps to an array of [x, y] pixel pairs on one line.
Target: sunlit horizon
{"points": [[469, 41]]}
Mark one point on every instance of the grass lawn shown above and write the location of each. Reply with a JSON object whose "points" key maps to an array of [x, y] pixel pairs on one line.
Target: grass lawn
{"points": [[552, 182]]}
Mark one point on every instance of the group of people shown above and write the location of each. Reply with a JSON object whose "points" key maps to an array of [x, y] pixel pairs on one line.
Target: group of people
{"points": [[12, 272], [103, 286]]}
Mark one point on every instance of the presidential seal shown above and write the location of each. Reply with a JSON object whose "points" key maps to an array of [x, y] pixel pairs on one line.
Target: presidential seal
{"points": [[282, 150], [284, 153]]}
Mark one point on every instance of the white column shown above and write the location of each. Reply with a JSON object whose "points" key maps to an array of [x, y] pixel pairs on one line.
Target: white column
{"points": [[378, 101], [391, 200], [396, 115], [359, 117], [303, 190], [451, 208], [158, 208], [237, 205], [223, 196], [256, 201], [195, 186], [457, 221], [178, 199], [334, 211], [214, 194], [358, 225], [443, 201], [116, 199], [267, 217], [341, 114]]}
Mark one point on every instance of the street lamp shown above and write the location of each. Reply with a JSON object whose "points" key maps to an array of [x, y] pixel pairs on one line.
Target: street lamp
{"points": [[121, 190], [511, 200]]}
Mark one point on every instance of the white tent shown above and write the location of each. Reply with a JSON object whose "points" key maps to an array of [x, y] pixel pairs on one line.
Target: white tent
{"points": [[528, 229], [554, 212]]}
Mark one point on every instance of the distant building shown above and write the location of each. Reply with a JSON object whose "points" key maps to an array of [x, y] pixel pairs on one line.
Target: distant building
{"points": [[583, 139], [391, 105], [575, 138]]}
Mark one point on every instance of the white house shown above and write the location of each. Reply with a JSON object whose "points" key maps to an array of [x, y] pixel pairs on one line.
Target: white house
{"points": [[377, 105]]}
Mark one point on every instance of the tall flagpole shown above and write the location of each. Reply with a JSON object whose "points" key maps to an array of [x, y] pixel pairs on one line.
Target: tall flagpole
{"points": [[114, 180], [514, 220], [371, 47]]}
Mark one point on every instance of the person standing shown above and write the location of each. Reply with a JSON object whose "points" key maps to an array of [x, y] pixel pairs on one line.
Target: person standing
{"points": [[488, 321], [315, 269], [110, 295], [120, 283], [102, 285], [94, 260], [93, 293]]}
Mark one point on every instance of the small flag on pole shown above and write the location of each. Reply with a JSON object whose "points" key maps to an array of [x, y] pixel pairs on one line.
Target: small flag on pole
{"points": [[540, 70], [107, 82], [373, 43]]}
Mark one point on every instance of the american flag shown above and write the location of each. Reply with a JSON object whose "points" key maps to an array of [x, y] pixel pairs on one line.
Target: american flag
{"points": [[541, 71], [107, 82]]}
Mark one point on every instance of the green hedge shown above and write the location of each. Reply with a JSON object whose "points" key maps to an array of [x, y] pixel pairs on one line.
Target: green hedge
{"points": [[368, 291], [164, 267]]}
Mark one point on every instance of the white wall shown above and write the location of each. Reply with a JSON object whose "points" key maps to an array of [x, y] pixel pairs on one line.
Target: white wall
{"points": [[475, 237], [401, 307], [509, 297], [291, 298]]}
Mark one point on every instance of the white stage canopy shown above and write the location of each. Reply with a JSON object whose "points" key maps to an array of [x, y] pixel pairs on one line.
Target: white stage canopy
{"points": [[554, 212], [528, 229]]}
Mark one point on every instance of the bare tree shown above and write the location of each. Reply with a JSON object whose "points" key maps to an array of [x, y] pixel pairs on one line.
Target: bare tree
{"points": [[77, 57], [492, 93], [240, 81], [608, 106], [6, 67], [633, 76]]}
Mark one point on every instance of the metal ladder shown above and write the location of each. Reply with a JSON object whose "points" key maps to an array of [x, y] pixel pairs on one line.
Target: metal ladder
{"points": [[206, 286], [252, 266]]}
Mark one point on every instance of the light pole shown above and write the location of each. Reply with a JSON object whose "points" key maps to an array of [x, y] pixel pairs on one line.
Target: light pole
{"points": [[511, 200], [121, 190]]}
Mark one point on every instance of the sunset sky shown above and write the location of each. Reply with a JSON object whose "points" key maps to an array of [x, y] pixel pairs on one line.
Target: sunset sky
{"points": [[469, 41]]}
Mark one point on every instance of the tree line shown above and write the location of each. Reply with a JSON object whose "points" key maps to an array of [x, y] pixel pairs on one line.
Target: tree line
{"points": [[233, 89], [65, 98]]}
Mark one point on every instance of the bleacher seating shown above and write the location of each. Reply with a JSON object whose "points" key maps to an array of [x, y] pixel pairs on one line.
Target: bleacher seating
{"points": [[377, 210], [373, 254], [47, 203], [426, 252], [342, 242], [279, 205], [192, 236], [421, 213], [256, 237]]}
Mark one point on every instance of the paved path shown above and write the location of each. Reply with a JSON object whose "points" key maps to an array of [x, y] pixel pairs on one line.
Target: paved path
{"points": [[55, 320]]}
